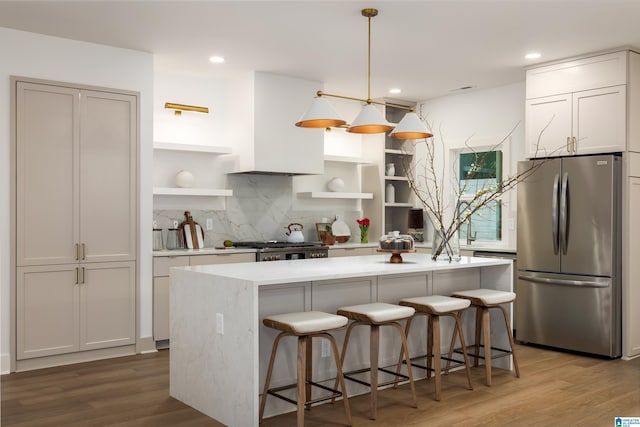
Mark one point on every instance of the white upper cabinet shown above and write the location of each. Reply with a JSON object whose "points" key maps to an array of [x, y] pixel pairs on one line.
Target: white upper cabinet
{"points": [[577, 107], [591, 121]]}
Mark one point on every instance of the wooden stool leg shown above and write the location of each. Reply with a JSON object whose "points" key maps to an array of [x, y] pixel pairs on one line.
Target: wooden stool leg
{"points": [[429, 345], [476, 352], [507, 323], [486, 328], [374, 347], [340, 377], [344, 353], [301, 392], [435, 331], [308, 370], [405, 346], [267, 381], [464, 348], [452, 346], [402, 350]]}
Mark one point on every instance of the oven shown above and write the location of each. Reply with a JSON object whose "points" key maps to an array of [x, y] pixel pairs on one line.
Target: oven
{"points": [[282, 251]]}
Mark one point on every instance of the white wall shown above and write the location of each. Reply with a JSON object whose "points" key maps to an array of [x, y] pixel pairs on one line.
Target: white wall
{"points": [[37, 56], [481, 117]]}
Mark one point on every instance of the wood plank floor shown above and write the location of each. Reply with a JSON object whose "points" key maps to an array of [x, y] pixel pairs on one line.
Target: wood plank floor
{"points": [[555, 389]]}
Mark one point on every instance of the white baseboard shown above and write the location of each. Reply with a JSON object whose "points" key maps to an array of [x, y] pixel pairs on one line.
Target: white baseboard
{"points": [[5, 363], [146, 345]]}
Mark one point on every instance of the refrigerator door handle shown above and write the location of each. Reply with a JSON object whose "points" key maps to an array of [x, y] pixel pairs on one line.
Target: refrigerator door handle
{"points": [[565, 282], [564, 212], [554, 213]]}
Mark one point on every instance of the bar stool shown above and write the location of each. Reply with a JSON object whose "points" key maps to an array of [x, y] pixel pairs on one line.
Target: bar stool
{"points": [[305, 325], [435, 306], [484, 300], [376, 315]]}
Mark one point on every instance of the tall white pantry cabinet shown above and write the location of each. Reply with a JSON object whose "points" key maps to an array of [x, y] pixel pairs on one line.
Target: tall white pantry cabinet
{"points": [[591, 105], [75, 221]]}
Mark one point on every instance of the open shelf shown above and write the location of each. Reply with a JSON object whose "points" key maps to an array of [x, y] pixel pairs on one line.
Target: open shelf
{"points": [[345, 159], [397, 152], [171, 191], [334, 195], [172, 146], [396, 178], [398, 205]]}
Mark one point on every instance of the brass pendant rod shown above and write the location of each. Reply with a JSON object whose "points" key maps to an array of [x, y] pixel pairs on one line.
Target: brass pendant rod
{"points": [[369, 59], [368, 101]]}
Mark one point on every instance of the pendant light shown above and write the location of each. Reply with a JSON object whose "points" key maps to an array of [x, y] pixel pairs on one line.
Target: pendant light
{"points": [[370, 120]]}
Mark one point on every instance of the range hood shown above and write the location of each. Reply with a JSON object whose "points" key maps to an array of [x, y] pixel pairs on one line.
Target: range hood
{"points": [[263, 110]]}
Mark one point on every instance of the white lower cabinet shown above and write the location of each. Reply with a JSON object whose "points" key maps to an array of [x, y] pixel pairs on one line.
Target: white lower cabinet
{"points": [[161, 281], [74, 307]]}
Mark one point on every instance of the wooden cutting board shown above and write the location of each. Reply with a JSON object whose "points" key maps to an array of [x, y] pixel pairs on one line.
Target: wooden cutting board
{"points": [[193, 232]]}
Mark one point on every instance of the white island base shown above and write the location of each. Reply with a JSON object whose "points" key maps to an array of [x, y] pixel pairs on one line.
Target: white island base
{"points": [[220, 349]]}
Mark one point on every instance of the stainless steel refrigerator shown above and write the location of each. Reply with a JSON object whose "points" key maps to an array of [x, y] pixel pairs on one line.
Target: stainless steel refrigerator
{"points": [[569, 254]]}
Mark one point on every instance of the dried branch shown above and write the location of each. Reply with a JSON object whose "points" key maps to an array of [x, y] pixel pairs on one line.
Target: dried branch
{"points": [[428, 187]]}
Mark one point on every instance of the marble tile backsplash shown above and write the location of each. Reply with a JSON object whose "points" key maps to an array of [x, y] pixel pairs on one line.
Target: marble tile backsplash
{"points": [[261, 209]]}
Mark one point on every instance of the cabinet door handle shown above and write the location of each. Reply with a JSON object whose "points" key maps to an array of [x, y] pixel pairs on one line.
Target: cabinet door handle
{"points": [[84, 252], [568, 143], [573, 144], [82, 276], [77, 252], [77, 275]]}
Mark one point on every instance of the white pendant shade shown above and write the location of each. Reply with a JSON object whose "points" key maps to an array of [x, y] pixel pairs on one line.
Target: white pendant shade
{"points": [[320, 115], [410, 127], [370, 120]]}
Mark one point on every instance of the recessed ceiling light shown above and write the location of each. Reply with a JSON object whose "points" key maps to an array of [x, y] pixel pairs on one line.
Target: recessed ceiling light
{"points": [[533, 55], [394, 90], [216, 59]]}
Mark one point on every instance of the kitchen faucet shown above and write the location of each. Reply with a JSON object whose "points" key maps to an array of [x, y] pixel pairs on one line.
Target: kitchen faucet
{"points": [[471, 237]]}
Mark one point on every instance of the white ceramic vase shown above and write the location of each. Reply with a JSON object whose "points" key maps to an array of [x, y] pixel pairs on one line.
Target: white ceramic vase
{"points": [[184, 179], [335, 184]]}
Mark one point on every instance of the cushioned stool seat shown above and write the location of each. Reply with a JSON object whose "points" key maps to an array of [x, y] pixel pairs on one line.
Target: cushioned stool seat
{"points": [[484, 300], [435, 306], [376, 315], [305, 325]]}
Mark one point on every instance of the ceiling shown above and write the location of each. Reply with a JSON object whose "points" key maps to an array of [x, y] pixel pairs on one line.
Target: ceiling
{"points": [[426, 48]]}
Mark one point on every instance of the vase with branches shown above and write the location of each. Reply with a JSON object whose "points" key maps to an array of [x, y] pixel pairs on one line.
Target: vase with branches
{"points": [[447, 214]]}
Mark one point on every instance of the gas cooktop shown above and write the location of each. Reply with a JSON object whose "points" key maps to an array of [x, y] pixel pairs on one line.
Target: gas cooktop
{"points": [[275, 244]]}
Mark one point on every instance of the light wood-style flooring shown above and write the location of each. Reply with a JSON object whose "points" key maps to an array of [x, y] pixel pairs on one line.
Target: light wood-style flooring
{"points": [[555, 389]]}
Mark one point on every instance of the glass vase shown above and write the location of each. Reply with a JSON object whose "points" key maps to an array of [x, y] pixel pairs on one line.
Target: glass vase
{"points": [[364, 236], [445, 249]]}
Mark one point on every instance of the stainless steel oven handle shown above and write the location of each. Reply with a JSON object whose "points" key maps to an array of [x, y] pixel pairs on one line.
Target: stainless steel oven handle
{"points": [[554, 213], [564, 282]]}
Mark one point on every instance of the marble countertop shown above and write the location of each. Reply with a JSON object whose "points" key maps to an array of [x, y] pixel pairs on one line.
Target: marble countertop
{"points": [[203, 251], [218, 251], [268, 273]]}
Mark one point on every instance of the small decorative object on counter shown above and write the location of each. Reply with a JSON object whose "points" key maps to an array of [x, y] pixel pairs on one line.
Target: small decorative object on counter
{"points": [[364, 229], [184, 179], [158, 245], [390, 169], [445, 249], [335, 184], [172, 239], [397, 244], [390, 193], [341, 230]]}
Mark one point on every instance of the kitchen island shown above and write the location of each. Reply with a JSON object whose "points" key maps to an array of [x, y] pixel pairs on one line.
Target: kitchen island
{"points": [[219, 348]]}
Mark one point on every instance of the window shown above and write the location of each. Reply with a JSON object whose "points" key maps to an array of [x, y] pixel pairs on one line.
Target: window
{"points": [[477, 171]]}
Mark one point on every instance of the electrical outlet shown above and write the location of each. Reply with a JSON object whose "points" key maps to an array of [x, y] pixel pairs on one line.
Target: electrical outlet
{"points": [[220, 323], [209, 224], [326, 349]]}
